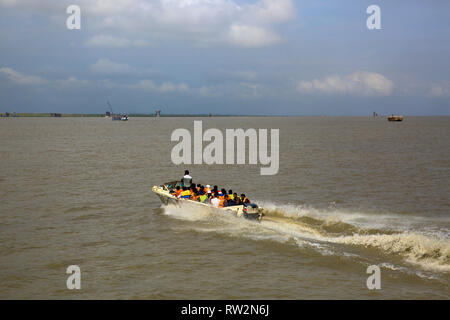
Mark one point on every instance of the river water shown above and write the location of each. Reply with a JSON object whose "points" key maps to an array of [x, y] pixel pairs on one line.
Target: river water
{"points": [[350, 192]]}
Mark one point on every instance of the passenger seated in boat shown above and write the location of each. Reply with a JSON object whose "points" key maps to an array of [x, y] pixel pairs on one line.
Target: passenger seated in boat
{"points": [[187, 179], [236, 199], [244, 199], [230, 194], [203, 198], [230, 202], [185, 194], [208, 189], [223, 198], [194, 195], [177, 191], [215, 201], [215, 190], [225, 201]]}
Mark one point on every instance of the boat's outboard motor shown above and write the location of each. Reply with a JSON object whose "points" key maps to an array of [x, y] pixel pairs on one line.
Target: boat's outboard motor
{"points": [[252, 212]]}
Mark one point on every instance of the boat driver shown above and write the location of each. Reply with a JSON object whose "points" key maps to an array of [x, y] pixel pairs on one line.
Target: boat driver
{"points": [[187, 179]]}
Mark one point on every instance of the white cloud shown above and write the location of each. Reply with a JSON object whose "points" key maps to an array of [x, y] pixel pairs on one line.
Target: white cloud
{"points": [[30, 80], [20, 78], [101, 66], [108, 67], [270, 11], [252, 36], [166, 87], [208, 91], [113, 42], [241, 90], [357, 83], [205, 22], [243, 75], [32, 5], [72, 82], [440, 90]]}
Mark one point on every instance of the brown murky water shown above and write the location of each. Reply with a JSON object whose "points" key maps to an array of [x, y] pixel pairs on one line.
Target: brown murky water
{"points": [[351, 192]]}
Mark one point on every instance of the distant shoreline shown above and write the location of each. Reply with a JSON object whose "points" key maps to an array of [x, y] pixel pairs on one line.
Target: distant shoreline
{"points": [[93, 115], [143, 115]]}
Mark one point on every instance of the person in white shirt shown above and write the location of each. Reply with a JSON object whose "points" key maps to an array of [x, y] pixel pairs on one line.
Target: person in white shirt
{"points": [[187, 179], [215, 201]]}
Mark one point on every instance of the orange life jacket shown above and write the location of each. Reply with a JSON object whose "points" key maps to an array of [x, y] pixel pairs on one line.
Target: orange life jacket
{"points": [[221, 198]]}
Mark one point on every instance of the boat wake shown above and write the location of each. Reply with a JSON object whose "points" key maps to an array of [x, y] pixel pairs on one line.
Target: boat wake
{"points": [[414, 240]]}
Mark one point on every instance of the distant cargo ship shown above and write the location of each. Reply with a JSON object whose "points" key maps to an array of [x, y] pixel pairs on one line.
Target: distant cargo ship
{"points": [[395, 118]]}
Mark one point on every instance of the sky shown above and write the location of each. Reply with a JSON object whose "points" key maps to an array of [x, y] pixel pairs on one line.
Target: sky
{"points": [[252, 57]]}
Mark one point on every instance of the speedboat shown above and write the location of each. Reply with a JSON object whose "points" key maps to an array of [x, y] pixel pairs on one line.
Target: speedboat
{"points": [[249, 211]]}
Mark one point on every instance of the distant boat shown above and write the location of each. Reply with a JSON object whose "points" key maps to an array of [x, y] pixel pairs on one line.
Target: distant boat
{"points": [[395, 118], [121, 117]]}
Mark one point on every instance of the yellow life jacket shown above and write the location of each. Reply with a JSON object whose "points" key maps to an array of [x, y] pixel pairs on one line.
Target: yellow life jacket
{"points": [[186, 194]]}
